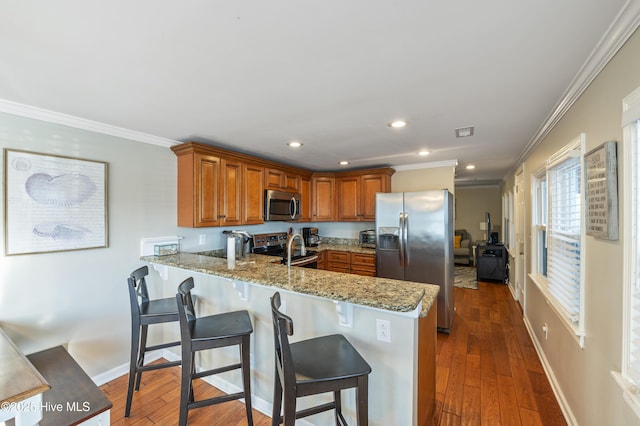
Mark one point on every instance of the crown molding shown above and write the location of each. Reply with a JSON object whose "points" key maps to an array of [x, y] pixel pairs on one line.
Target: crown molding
{"points": [[432, 165], [49, 116], [622, 27]]}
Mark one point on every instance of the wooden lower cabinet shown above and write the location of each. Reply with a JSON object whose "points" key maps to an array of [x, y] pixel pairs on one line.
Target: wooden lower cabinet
{"points": [[349, 263], [363, 264], [339, 261]]}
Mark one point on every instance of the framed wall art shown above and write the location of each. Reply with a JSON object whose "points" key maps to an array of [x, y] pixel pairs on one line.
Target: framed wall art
{"points": [[53, 203], [601, 191]]}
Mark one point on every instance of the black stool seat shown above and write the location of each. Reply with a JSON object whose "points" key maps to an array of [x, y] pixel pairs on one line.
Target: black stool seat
{"points": [[326, 358], [145, 312], [220, 326], [314, 366], [158, 307], [210, 332]]}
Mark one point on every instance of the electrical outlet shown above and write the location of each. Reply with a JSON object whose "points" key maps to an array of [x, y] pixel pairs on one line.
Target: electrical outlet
{"points": [[383, 330], [203, 239], [545, 330]]}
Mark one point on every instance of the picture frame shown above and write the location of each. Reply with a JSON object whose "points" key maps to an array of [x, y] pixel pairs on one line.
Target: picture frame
{"points": [[601, 191], [53, 203]]}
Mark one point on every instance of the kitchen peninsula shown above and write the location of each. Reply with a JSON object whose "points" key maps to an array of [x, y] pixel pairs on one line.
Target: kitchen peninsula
{"points": [[401, 352]]}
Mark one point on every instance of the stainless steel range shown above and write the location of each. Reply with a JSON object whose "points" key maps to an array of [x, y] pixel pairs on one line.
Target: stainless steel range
{"points": [[275, 244]]}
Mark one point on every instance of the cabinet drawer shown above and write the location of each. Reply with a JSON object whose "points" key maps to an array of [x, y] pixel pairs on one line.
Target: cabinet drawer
{"points": [[367, 272], [358, 259], [339, 257], [339, 268]]}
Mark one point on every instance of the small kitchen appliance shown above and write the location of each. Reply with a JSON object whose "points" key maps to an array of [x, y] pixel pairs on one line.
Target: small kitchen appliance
{"points": [[311, 237], [243, 243], [368, 238]]}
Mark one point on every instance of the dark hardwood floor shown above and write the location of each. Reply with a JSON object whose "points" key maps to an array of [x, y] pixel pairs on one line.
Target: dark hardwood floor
{"points": [[488, 373]]}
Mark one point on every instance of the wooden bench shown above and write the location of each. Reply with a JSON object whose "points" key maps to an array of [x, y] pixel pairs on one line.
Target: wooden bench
{"points": [[73, 398]]}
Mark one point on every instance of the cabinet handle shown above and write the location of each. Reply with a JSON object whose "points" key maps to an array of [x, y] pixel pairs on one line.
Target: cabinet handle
{"points": [[221, 216]]}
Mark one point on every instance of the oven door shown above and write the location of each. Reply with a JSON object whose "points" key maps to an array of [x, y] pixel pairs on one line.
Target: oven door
{"points": [[310, 262], [282, 206]]}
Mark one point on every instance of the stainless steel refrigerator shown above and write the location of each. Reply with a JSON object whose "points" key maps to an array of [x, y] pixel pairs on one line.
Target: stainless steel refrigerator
{"points": [[415, 243]]}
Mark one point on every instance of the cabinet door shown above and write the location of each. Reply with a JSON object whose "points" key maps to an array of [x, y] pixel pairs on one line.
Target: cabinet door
{"points": [[274, 179], [305, 200], [253, 194], [207, 180], [371, 184], [231, 193], [291, 183], [323, 199], [349, 198]]}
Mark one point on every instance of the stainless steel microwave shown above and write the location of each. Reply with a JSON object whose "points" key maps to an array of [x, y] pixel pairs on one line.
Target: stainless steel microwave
{"points": [[280, 205]]}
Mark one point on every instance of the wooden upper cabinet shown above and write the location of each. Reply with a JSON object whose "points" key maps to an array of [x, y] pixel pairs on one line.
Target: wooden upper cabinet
{"points": [[323, 193], [357, 194], [198, 182], [253, 194], [230, 197], [349, 198], [306, 200], [281, 180], [372, 184]]}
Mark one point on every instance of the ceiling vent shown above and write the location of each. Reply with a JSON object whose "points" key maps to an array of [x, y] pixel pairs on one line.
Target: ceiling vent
{"points": [[463, 132]]}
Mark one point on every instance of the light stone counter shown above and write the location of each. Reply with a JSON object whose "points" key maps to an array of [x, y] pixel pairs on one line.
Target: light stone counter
{"points": [[402, 382], [381, 293], [344, 247]]}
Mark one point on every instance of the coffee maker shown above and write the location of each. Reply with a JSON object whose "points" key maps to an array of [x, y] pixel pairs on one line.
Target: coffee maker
{"points": [[310, 237]]}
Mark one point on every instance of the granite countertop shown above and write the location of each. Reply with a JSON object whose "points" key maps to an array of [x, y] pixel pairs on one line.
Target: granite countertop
{"points": [[381, 293]]}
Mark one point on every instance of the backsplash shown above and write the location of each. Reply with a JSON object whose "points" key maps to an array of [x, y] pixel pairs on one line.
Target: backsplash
{"points": [[340, 241]]}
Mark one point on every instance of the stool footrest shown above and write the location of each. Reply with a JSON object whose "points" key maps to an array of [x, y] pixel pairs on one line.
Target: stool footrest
{"points": [[162, 346], [216, 371], [315, 410], [215, 400], [157, 366]]}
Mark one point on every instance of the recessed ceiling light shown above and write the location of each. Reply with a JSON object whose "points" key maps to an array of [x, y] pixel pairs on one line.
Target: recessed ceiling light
{"points": [[397, 124], [424, 153], [463, 132], [295, 144], [470, 167], [344, 163]]}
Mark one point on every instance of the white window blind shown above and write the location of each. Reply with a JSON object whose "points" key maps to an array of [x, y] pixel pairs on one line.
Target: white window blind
{"points": [[564, 223]]}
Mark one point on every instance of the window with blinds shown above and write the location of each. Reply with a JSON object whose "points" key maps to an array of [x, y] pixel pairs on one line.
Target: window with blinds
{"points": [[629, 377], [564, 226]]}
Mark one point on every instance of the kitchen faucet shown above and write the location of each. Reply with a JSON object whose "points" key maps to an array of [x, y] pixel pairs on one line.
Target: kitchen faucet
{"points": [[303, 249]]}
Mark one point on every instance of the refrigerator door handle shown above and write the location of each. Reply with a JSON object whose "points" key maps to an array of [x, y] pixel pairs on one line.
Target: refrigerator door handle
{"points": [[406, 238], [401, 238]]}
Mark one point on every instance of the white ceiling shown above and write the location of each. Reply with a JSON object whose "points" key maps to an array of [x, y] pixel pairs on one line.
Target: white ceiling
{"points": [[256, 74]]}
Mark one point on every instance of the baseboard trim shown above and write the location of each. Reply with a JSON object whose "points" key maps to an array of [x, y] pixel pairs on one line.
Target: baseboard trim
{"points": [[555, 386]]}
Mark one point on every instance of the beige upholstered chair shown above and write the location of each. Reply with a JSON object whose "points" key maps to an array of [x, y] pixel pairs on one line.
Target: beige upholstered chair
{"points": [[464, 253]]}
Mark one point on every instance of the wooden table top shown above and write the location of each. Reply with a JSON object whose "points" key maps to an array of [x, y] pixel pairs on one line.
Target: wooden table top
{"points": [[19, 379]]}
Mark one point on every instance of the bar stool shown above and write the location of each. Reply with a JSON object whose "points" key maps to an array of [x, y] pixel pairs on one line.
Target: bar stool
{"points": [[214, 331], [145, 312], [309, 367]]}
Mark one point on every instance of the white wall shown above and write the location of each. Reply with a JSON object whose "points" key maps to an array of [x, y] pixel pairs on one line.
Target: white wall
{"points": [[583, 375]]}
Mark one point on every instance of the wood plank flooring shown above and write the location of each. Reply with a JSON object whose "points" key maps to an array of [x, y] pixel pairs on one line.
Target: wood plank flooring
{"points": [[488, 373], [487, 370]]}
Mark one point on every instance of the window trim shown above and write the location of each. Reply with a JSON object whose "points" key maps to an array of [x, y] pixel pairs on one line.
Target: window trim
{"points": [[576, 330], [630, 115]]}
